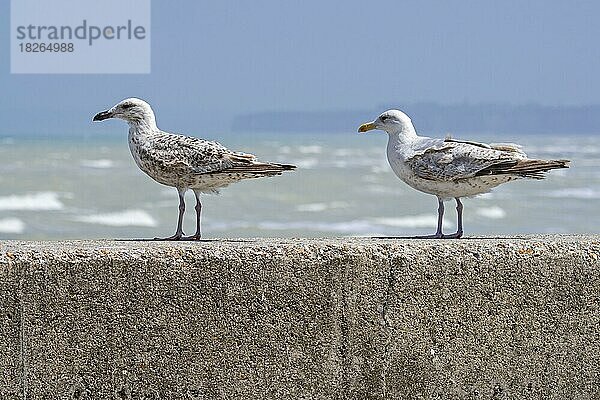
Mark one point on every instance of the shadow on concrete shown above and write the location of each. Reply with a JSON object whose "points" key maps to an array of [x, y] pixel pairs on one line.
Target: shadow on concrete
{"points": [[444, 239], [188, 241]]}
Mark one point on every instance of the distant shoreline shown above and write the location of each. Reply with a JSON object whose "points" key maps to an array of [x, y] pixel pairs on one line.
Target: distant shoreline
{"points": [[435, 118]]}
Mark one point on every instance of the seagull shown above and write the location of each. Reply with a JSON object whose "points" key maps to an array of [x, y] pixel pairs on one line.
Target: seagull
{"points": [[449, 168], [184, 162]]}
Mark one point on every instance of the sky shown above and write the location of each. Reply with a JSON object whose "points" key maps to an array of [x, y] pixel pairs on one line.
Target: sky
{"points": [[214, 60]]}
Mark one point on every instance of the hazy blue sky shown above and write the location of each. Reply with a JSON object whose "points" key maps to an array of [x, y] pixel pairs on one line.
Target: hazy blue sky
{"points": [[213, 60]]}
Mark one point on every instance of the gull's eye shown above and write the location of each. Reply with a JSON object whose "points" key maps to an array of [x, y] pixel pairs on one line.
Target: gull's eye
{"points": [[127, 106], [384, 118]]}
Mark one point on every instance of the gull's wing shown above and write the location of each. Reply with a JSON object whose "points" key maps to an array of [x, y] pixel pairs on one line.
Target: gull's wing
{"points": [[195, 155], [455, 160], [191, 155], [508, 147]]}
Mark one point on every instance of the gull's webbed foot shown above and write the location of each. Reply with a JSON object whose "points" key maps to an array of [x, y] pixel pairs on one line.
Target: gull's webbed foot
{"points": [[177, 236], [192, 238], [434, 236], [456, 235]]}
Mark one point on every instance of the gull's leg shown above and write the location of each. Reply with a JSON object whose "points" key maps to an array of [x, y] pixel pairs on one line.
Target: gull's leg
{"points": [[198, 208], [459, 231], [438, 233], [440, 221], [179, 233], [459, 212]]}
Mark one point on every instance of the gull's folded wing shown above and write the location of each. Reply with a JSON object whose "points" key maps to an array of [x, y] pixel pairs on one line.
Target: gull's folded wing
{"points": [[189, 155], [459, 160]]}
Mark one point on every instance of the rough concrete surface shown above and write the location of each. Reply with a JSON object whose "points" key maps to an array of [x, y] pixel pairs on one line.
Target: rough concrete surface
{"points": [[488, 318]]}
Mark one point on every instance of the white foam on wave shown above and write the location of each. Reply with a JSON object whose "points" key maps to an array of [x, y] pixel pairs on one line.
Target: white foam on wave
{"points": [[121, 218], [493, 212], [576, 193], [307, 163], [310, 149], [340, 164], [318, 207], [380, 169], [571, 148], [350, 227], [413, 221], [32, 202], [347, 152], [358, 161], [12, 225], [357, 227], [369, 178], [312, 207], [560, 172], [98, 164], [381, 189]]}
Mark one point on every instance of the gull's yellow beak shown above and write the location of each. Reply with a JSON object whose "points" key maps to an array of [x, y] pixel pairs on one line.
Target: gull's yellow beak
{"points": [[367, 127]]}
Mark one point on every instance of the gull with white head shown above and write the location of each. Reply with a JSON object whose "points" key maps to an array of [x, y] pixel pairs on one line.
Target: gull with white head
{"points": [[184, 162], [449, 168]]}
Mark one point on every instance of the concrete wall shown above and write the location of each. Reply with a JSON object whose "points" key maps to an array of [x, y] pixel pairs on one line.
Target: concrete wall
{"points": [[510, 318]]}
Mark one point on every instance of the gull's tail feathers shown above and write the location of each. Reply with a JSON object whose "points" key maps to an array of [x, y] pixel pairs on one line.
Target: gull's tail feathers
{"points": [[525, 168], [259, 169], [247, 163]]}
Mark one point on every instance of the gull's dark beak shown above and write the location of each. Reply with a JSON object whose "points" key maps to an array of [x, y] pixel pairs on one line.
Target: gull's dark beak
{"points": [[101, 116]]}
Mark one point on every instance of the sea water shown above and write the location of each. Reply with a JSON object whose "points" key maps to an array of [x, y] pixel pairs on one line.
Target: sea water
{"points": [[78, 188]]}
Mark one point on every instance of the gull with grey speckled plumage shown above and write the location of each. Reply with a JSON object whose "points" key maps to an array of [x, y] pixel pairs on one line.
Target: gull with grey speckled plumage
{"points": [[449, 168], [184, 162]]}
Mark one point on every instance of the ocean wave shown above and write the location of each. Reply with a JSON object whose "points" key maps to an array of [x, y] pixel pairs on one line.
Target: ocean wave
{"points": [[97, 164], [576, 193], [357, 227], [318, 207], [561, 172], [12, 225], [370, 178], [493, 212], [358, 161], [121, 218], [380, 169], [564, 149], [381, 189], [340, 164], [348, 227], [314, 149], [347, 152], [31, 202], [412, 221], [306, 163], [59, 156]]}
